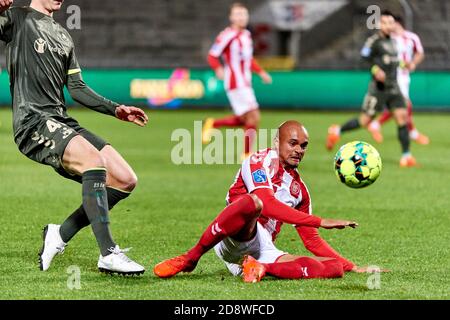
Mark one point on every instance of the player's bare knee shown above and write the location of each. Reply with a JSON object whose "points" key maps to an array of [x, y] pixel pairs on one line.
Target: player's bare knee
{"points": [[129, 182], [258, 203]]}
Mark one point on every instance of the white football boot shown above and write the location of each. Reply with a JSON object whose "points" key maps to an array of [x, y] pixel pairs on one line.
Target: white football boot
{"points": [[118, 262], [53, 245]]}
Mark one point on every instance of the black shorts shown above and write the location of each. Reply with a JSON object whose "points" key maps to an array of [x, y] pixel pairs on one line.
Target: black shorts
{"points": [[377, 99], [46, 141]]}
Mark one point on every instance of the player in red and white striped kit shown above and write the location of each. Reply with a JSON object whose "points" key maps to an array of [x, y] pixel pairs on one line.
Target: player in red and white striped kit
{"points": [[411, 54], [235, 46], [266, 193]]}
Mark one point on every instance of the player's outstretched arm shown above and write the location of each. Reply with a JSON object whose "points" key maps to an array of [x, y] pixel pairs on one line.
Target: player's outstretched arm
{"points": [[5, 4], [84, 95], [315, 244], [272, 208]]}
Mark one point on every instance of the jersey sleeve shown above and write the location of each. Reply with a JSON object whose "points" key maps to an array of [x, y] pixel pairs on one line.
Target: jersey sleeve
{"points": [[368, 50], [418, 47], [73, 66], [255, 174], [6, 25], [222, 41]]}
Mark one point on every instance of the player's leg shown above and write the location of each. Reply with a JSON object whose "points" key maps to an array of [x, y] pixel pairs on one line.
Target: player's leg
{"points": [[401, 118], [414, 134], [120, 182], [375, 125], [210, 123], [237, 220], [82, 158], [372, 102], [234, 97], [251, 121], [335, 131], [292, 267]]}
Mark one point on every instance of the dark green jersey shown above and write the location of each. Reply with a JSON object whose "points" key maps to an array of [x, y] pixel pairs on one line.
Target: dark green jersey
{"points": [[40, 56], [381, 51]]}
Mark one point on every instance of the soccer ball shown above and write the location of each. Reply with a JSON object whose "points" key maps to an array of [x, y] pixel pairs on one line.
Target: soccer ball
{"points": [[357, 164]]}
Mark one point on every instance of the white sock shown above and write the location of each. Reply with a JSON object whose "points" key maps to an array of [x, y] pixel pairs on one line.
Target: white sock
{"points": [[414, 134], [375, 125]]}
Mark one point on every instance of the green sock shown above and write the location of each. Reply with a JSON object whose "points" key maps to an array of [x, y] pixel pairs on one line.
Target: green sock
{"points": [[95, 204], [78, 219]]}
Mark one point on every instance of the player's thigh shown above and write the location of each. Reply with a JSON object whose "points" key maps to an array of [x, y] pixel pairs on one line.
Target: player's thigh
{"points": [[120, 174], [80, 155], [397, 104]]}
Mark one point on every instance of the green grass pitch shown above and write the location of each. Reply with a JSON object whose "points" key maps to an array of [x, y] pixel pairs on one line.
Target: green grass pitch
{"points": [[404, 217]]}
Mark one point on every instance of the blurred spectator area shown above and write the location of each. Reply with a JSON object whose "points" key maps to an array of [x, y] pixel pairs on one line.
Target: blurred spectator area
{"points": [[178, 33]]}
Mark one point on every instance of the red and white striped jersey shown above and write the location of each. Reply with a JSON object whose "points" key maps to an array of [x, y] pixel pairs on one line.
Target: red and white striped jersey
{"points": [[262, 170], [408, 44], [236, 48]]}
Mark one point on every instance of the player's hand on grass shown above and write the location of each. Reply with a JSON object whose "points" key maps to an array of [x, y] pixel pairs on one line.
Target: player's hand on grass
{"points": [[380, 75], [337, 224], [220, 73], [368, 269], [266, 78], [131, 114], [5, 4]]}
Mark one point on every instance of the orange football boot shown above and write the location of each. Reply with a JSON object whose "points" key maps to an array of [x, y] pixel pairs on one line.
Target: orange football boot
{"points": [[422, 139], [169, 268], [252, 270], [408, 161]]}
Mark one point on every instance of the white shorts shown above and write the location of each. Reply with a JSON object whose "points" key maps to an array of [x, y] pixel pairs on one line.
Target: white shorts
{"points": [[404, 82], [242, 100], [261, 247]]}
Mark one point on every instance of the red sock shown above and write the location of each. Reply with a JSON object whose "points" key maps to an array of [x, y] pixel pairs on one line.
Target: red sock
{"points": [[249, 139], [305, 268], [410, 122], [385, 116], [231, 121], [228, 223]]}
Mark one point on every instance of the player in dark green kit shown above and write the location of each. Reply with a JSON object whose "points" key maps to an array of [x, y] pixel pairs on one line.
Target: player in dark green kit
{"points": [[380, 51], [41, 60]]}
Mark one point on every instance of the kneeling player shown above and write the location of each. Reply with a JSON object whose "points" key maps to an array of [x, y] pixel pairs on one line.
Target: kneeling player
{"points": [[267, 192]]}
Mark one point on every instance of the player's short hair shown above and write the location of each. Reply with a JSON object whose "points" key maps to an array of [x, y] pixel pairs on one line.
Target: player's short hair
{"points": [[387, 13], [398, 18], [237, 5]]}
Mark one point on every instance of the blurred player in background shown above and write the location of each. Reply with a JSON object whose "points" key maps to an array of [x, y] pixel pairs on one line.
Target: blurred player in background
{"points": [[41, 61], [235, 46], [411, 54], [266, 193], [384, 91]]}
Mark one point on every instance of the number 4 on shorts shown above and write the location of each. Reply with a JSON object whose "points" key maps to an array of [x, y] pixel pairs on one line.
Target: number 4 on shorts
{"points": [[52, 126]]}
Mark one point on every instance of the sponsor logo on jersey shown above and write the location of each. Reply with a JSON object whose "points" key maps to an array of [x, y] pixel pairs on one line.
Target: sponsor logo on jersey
{"points": [[259, 176], [40, 45], [295, 189]]}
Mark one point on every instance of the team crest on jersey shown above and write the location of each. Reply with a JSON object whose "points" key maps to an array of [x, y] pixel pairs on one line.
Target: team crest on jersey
{"points": [[259, 176], [295, 189], [40, 45]]}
